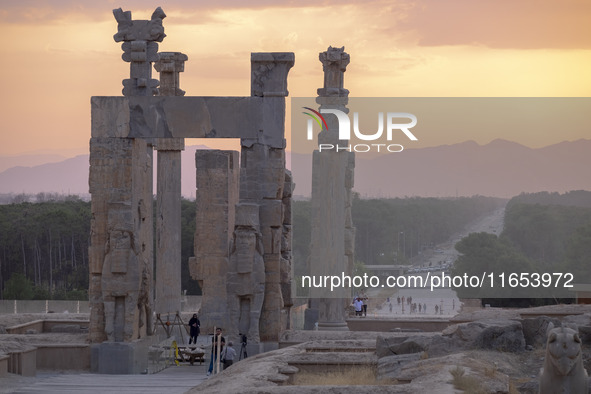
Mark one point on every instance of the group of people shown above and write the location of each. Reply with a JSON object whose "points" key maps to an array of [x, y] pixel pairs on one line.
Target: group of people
{"points": [[227, 352], [414, 306]]}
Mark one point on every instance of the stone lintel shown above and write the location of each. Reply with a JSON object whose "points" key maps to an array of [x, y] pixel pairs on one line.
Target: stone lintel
{"points": [[173, 144], [247, 215], [182, 117], [273, 133]]}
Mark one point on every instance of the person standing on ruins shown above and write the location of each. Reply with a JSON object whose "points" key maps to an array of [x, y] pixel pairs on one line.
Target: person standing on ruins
{"points": [[364, 300], [214, 345], [194, 325], [358, 306], [228, 355]]}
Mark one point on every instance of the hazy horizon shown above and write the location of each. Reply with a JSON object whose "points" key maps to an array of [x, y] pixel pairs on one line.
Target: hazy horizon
{"points": [[500, 168]]}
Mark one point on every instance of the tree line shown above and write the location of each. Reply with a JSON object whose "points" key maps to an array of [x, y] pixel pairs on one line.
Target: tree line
{"points": [[394, 230], [47, 244], [44, 249], [543, 233]]}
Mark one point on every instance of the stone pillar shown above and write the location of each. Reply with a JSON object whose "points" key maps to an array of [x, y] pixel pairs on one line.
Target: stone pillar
{"points": [[286, 255], [349, 228], [110, 183], [245, 284], [262, 182], [332, 180], [216, 196], [168, 226], [170, 65], [168, 204], [121, 249]]}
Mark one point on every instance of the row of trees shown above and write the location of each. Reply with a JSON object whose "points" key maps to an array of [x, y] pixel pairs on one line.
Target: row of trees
{"points": [[392, 231], [550, 238], [44, 249], [396, 230], [47, 244]]}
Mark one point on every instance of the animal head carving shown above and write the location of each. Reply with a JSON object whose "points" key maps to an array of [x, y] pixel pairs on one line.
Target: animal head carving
{"points": [[563, 348]]}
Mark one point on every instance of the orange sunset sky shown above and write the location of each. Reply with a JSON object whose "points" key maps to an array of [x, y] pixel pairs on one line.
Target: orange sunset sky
{"points": [[56, 54]]}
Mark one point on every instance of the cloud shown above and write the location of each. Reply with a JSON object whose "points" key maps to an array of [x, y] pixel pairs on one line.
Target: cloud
{"points": [[189, 11], [514, 24]]}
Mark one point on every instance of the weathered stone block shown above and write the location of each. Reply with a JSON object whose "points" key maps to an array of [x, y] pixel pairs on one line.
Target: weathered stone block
{"points": [[389, 367], [109, 117], [247, 215], [272, 268], [286, 239], [384, 344], [269, 73], [177, 117], [534, 329], [271, 213], [272, 237], [174, 144]]}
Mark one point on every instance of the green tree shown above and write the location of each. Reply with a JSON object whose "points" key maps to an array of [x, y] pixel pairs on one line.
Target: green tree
{"points": [[485, 254], [359, 268], [578, 255], [18, 287]]}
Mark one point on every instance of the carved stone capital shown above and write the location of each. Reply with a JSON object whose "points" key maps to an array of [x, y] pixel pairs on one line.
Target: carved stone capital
{"points": [[169, 65], [334, 64], [130, 30], [140, 48], [269, 73]]}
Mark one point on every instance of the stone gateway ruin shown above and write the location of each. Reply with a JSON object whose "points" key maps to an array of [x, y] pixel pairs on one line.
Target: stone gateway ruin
{"points": [[243, 231]]}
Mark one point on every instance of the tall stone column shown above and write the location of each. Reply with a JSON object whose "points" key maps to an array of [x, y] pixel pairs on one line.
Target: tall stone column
{"points": [[121, 249], [332, 181], [216, 195], [262, 182], [168, 203], [286, 252]]}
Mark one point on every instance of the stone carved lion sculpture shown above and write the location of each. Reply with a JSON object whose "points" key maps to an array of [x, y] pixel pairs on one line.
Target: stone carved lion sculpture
{"points": [[563, 370]]}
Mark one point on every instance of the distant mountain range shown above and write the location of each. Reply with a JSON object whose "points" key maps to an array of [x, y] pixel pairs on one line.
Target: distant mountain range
{"points": [[70, 176], [28, 160], [500, 168]]}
